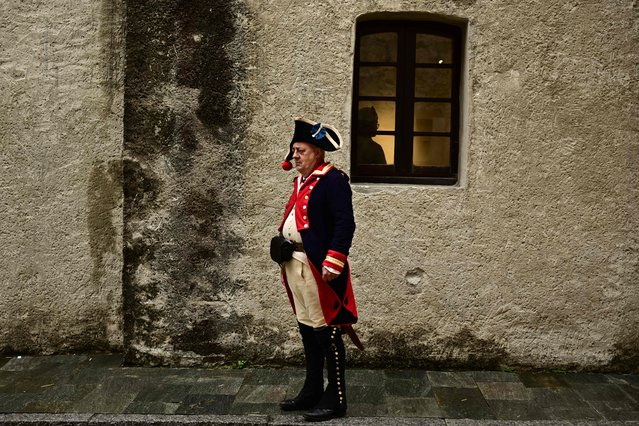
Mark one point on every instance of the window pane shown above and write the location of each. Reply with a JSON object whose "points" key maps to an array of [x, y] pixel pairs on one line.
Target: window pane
{"points": [[433, 83], [379, 149], [432, 117], [380, 117], [377, 81], [431, 151], [432, 49], [381, 47]]}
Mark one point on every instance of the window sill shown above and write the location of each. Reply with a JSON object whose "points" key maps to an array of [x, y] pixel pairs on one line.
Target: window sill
{"points": [[439, 181]]}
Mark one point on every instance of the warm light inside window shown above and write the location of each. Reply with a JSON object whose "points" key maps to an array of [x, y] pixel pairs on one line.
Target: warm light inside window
{"points": [[431, 151]]}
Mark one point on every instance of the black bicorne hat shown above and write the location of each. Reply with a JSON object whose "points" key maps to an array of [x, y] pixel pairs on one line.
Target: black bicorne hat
{"points": [[321, 135]]}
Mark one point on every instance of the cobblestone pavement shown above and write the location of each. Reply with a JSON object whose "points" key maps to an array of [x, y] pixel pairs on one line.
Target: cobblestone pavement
{"points": [[88, 387]]}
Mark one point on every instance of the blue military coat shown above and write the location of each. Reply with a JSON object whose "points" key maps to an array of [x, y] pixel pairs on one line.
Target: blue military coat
{"points": [[324, 217]]}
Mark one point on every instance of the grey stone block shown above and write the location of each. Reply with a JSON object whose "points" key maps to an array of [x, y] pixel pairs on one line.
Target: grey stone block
{"points": [[178, 377], [13, 402], [358, 421], [364, 377], [541, 380], [28, 384], [632, 379], [3, 361], [207, 375], [7, 377], [47, 406], [261, 394], [631, 391], [572, 413], [407, 389], [602, 392], [163, 393], [556, 397], [67, 392], [418, 387], [451, 379], [266, 377], [517, 410], [365, 394], [98, 401], [152, 407], [414, 407], [504, 391], [44, 419], [462, 403], [294, 386], [23, 363], [246, 408], [218, 386], [494, 376], [616, 410], [617, 379], [206, 404], [469, 422], [359, 409], [405, 374], [583, 378], [170, 420]]}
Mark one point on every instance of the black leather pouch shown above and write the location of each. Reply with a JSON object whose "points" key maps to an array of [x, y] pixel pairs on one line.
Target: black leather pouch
{"points": [[281, 249]]}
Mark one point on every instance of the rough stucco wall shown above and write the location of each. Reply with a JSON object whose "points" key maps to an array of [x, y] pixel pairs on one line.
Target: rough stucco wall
{"points": [[60, 177], [531, 260]]}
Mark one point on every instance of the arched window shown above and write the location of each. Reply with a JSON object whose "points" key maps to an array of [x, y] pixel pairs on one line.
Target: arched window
{"points": [[406, 102]]}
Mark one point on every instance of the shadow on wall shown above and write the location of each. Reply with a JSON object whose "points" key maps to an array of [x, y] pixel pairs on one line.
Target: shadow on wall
{"points": [[420, 348]]}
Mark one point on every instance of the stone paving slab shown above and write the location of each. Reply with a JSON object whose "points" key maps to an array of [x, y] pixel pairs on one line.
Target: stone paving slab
{"points": [[213, 420], [468, 422], [99, 387]]}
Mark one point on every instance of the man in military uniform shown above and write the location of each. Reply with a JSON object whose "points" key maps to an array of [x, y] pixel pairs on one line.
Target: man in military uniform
{"points": [[318, 219]]}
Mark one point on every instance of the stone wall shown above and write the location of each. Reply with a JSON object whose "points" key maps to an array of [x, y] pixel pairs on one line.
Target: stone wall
{"points": [[184, 125], [60, 176], [532, 260]]}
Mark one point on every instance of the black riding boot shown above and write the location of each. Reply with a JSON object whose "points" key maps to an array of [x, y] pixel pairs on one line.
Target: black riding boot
{"points": [[314, 383], [333, 402]]}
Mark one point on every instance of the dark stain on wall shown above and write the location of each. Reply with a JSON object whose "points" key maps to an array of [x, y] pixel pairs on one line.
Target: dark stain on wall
{"points": [[84, 335], [203, 225], [141, 188], [411, 349], [465, 2], [203, 336], [182, 179], [626, 350], [477, 352], [202, 60], [104, 195]]}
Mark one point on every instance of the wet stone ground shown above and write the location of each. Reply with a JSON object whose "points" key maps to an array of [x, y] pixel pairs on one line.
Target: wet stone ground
{"points": [[99, 384]]}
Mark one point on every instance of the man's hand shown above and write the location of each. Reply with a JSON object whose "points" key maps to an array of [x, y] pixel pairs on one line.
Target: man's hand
{"points": [[328, 275]]}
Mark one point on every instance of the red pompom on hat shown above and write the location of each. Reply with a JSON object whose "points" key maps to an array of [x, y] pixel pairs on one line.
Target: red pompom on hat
{"points": [[286, 165]]}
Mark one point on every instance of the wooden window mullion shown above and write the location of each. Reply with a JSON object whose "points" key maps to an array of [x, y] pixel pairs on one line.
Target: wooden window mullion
{"points": [[405, 83]]}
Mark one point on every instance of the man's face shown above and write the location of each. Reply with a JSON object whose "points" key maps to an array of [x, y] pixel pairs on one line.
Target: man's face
{"points": [[307, 157]]}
